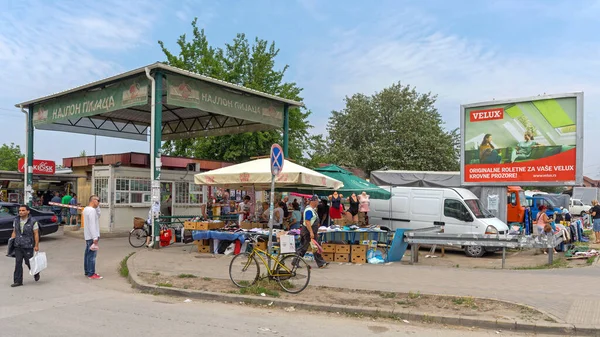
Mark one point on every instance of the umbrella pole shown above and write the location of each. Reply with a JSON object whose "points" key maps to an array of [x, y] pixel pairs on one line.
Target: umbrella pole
{"points": [[270, 244]]}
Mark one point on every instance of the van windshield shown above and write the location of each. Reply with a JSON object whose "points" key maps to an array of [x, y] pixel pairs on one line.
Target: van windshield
{"points": [[523, 199], [477, 210]]}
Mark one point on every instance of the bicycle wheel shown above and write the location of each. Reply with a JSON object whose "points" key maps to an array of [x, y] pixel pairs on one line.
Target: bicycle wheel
{"points": [[137, 237], [244, 270], [292, 273]]}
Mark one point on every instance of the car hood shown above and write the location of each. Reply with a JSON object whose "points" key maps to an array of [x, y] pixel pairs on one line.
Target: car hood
{"points": [[497, 223]]}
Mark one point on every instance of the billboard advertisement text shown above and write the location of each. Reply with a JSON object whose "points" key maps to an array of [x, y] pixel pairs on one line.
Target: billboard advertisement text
{"points": [[534, 141]]}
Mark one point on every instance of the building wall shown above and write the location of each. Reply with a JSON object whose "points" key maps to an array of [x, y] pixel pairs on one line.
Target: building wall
{"points": [[116, 203]]}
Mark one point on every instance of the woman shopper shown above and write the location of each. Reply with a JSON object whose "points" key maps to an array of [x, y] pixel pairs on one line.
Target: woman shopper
{"points": [[595, 213]]}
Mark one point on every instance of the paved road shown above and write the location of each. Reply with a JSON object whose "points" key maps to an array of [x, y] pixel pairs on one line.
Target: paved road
{"points": [[65, 303]]}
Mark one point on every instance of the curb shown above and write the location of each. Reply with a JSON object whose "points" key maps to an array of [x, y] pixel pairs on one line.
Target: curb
{"points": [[78, 234], [399, 314]]}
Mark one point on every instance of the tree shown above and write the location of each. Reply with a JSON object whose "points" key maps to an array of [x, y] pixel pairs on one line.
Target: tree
{"points": [[252, 66], [397, 128], [9, 157], [82, 153]]}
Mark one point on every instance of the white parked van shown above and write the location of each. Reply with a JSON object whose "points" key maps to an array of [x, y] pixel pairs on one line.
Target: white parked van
{"points": [[457, 209]]}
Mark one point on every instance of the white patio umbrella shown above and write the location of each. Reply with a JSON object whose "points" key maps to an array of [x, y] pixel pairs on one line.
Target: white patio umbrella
{"points": [[257, 174]]}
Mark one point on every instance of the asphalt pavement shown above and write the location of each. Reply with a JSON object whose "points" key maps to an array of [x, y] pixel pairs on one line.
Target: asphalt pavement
{"points": [[65, 303]]}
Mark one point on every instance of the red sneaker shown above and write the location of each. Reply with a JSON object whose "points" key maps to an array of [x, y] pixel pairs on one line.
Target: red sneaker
{"points": [[95, 277]]}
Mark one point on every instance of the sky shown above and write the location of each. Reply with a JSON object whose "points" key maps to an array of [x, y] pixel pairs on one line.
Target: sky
{"points": [[463, 51]]}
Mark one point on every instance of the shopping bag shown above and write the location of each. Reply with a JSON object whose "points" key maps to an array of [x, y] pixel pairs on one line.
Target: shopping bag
{"points": [[315, 246], [38, 263], [287, 243], [11, 248]]}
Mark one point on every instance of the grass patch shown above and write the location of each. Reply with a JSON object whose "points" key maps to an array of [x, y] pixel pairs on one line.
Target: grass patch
{"points": [[123, 270], [591, 260], [187, 276], [206, 279], [557, 263], [261, 287], [164, 284], [465, 301], [588, 232], [156, 273], [405, 303], [387, 295], [414, 296]]}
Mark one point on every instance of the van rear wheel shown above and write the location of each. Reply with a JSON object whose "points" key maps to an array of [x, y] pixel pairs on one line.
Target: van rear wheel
{"points": [[474, 251], [582, 214]]}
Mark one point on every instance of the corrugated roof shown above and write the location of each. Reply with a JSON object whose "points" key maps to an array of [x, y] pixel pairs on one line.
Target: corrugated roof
{"points": [[166, 68]]}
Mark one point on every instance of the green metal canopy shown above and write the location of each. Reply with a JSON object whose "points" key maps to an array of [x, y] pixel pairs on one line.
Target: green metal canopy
{"points": [[352, 184]]}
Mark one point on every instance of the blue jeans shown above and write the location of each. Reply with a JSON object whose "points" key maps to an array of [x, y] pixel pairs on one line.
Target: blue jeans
{"points": [[89, 259]]}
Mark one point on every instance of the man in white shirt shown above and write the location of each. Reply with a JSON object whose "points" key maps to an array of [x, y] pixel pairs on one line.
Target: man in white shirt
{"points": [[91, 231]]}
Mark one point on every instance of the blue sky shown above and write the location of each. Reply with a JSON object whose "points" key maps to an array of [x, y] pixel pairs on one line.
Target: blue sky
{"points": [[463, 51]]}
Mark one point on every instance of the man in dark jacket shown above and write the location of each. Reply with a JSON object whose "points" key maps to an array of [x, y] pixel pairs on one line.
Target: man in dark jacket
{"points": [[27, 240]]}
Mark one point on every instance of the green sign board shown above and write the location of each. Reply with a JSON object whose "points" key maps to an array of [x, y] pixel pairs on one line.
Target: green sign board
{"points": [[124, 94], [196, 94]]}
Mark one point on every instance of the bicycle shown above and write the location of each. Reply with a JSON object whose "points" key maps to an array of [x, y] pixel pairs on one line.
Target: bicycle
{"points": [[138, 236], [290, 271], [140, 232]]}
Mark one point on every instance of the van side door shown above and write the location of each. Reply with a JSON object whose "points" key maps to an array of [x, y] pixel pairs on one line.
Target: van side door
{"points": [[454, 216]]}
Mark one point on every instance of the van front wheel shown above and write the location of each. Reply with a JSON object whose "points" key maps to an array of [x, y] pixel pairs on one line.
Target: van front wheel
{"points": [[474, 251]]}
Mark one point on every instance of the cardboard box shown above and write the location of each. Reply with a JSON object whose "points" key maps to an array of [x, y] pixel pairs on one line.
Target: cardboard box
{"points": [[342, 257], [329, 257], [342, 249], [262, 246], [287, 243], [189, 225], [215, 225], [202, 242], [358, 259], [203, 249], [246, 225], [358, 250], [328, 248]]}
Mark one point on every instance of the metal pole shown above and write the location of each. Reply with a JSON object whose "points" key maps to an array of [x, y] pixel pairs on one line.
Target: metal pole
{"points": [[27, 197], [503, 256], [550, 254], [155, 162], [95, 145], [286, 129], [270, 244]]}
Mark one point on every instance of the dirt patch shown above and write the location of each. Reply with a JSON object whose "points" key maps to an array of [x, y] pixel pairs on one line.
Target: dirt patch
{"points": [[413, 301], [515, 259]]}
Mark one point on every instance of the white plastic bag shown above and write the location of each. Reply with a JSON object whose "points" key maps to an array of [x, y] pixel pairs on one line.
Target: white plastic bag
{"points": [[38, 263]]}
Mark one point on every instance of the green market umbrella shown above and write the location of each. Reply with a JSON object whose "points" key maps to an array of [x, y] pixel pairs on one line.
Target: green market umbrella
{"points": [[352, 184]]}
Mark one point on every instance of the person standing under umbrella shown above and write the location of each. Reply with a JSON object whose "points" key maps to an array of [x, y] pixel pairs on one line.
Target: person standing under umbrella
{"points": [[309, 230]]}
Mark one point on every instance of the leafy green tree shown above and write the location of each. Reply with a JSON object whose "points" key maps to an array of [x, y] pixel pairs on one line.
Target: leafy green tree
{"points": [[82, 153], [9, 157], [249, 65], [397, 128]]}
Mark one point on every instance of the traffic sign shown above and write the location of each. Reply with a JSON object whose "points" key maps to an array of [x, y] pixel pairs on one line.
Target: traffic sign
{"points": [[276, 159]]}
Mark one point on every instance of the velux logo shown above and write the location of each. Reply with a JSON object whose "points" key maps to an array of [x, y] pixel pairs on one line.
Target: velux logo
{"points": [[487, 115]]}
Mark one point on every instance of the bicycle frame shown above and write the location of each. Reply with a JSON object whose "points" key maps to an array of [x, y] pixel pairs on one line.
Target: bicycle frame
{"points": [[259, 252]]}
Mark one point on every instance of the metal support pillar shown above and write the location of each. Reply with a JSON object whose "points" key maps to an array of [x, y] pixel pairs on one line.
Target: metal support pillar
{"points": [[155, 153], [28, 195], [286, 129]]}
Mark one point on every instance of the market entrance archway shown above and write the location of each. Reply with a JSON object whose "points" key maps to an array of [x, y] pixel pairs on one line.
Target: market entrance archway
{"points": [[163, 101]]}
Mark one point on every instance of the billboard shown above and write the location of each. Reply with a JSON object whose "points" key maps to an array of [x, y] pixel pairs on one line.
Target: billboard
{"points": [[530, 141]]}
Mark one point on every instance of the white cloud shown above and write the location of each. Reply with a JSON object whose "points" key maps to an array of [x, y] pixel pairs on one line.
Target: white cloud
{"points": [[416, 49], [44, 46]]}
